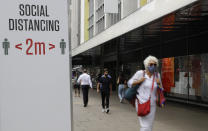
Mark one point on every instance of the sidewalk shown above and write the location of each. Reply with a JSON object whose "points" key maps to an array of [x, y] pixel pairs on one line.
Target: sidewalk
{"points": [[122, 117]]}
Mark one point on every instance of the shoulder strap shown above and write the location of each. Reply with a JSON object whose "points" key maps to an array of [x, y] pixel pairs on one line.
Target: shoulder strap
{"points": [[153, 82]]}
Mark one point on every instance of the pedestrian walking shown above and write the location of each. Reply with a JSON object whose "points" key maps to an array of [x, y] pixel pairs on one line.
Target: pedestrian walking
{"points": [[148, 80], [76, 85], [86, 83], [98, 77], [104, 86], [121, 81]]}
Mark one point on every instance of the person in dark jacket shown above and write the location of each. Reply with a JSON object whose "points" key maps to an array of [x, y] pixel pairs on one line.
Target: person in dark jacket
{"points": [[104, 86]]}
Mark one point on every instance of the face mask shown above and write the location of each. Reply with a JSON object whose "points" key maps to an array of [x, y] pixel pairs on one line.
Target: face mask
{"points": [[151, 69]]}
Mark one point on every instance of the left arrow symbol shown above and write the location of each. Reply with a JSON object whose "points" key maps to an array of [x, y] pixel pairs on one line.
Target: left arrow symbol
{"points": [[18, 46]]}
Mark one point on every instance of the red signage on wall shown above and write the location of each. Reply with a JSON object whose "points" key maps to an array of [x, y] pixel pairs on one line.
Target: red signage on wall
{"points": [[168, 22]]}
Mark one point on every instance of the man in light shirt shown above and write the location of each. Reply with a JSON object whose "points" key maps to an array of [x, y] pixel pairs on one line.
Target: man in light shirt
{"points": [[85, 82]]}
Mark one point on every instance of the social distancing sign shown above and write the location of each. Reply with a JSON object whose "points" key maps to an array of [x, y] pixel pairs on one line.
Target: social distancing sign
{"points": [[34, 66]]}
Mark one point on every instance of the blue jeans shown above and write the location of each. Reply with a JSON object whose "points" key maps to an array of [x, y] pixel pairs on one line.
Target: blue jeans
{"points": [[121, 91]]}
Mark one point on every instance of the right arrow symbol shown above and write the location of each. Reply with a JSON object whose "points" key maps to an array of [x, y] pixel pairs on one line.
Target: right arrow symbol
{"points": [[18, 46], [51, 46]]}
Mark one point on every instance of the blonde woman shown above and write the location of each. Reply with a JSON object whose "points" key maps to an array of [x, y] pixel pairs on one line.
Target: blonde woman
{"points": [[145, 79]]}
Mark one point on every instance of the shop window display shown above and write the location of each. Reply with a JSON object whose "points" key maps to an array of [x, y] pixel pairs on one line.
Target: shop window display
{"points": [[174, 76], [186, 77]]}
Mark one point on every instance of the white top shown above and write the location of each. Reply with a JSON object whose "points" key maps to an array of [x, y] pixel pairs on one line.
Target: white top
{"points": [[85, 79], [145, 88]]}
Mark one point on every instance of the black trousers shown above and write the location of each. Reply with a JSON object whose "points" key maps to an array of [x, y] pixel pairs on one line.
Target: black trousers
{"points": [[85, 91], [105, 95]]}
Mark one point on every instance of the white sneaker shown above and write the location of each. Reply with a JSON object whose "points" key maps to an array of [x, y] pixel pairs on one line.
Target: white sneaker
{"points": [[103, 110], [107, 110]]}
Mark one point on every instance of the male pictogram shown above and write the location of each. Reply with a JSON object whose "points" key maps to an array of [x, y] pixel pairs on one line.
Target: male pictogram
{"points": [[6, 46], [62, 46]]}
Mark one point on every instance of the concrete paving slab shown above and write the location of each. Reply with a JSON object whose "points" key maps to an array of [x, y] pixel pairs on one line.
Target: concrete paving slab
{"points": [[122, 116]]}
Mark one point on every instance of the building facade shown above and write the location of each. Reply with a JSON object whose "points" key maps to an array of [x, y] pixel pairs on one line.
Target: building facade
{"points": [[173, 31]]}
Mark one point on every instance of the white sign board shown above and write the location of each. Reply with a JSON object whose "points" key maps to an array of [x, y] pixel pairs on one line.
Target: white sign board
{"points": [[110, 6], [34, 66]]}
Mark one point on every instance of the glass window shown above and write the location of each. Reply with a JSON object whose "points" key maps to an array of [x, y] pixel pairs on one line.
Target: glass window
{"points": [[204, 77], [175, 76], [186, 77]]}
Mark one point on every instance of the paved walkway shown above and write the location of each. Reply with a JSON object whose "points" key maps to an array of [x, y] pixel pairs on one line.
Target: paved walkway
{"points": [[122, 117]]}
